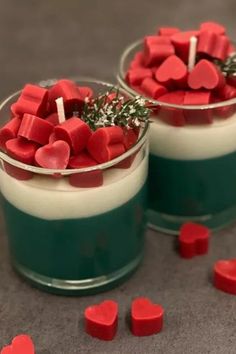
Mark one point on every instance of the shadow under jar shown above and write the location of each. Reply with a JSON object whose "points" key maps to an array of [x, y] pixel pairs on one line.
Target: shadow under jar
{"points": [[192, 168], [74, 240]]}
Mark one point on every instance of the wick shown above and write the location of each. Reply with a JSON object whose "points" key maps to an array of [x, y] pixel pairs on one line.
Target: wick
{"points": [[192, 53], [60, 110]]}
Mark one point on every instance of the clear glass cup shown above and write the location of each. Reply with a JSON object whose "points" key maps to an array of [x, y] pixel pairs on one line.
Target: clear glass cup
{"points": [[75, 240], [192, 168]]}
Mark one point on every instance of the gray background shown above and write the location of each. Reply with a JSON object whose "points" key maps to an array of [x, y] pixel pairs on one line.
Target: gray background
{"points": [[44, 39]]}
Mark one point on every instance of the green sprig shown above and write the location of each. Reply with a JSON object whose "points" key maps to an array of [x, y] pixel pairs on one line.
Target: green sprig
{"points": [[111, 108], [228, 67]]}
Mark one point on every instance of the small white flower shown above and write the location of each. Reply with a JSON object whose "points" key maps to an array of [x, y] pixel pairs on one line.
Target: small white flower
{"points": [[86, 100]]}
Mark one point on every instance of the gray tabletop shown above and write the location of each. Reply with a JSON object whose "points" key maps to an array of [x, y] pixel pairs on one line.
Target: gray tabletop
{"points": [[56, 38]]}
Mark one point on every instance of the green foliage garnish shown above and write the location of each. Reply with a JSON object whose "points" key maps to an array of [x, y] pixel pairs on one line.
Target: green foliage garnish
{"points": [[111, 108]]}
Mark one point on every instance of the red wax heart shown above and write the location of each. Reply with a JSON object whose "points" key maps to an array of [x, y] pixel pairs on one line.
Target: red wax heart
{"points": [[155, 53], [168, 31], [101, 320], [53, 118], [106, 143], [152, 40], [137, 62], [206, 42], [181, 42], [221, 48], [75, 132], [205, 75], [152, 88], [69, 91], [9, 131], [85, 92], [225, 275], [55, 155], [21, 344], [193, 240], [212, 27], [172, 69], [33, 100], [35, 129], [227, 92], [21, 150], [146, 317], [130, 138], [172, 116], [135, 76], [198, 116], [85, 179]]}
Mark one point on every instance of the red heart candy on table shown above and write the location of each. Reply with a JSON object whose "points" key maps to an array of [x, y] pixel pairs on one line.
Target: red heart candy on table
{"points": [[205, 75], [55, 155], [106, 143], [173, 68], [101, 320], [193, 240], [225, 275], [146, 317], [21, 344]]}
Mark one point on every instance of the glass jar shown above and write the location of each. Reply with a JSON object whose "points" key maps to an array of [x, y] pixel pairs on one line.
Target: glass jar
{"points": [[192, 168], [75, 240]]}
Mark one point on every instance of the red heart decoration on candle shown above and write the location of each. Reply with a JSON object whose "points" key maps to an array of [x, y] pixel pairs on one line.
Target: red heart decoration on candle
{"points": [[146, 317], [106, 143], [101, 320], [21, 344], [55, 155], [173, 68], [193, 240], [225, 275], [205, 75]]}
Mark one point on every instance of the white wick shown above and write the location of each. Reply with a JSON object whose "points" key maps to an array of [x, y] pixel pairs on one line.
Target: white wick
{"points": [[192, 53], [60, 110]]}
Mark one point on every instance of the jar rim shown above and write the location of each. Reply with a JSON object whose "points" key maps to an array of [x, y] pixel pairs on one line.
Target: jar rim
{"points": [[121, 79], [65, 172]]}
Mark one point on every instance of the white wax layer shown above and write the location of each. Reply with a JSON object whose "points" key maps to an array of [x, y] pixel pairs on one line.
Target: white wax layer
{"points": [[52, 199], [193, 142]]}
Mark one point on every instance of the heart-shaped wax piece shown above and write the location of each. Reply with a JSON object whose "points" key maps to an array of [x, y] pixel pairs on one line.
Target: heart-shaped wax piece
{"points": [[198, 116], [75, 132], [35, 129], [146, 317], [205, 75], [167, 31], [54, 155], [21, 344], [9, 131], [106, 143], [181, 42], [33, 100], [225, 275], [153, 89], [101, 320], [85, 179], [193, 240], [171, 115], [212, 27], [172, 69]]}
